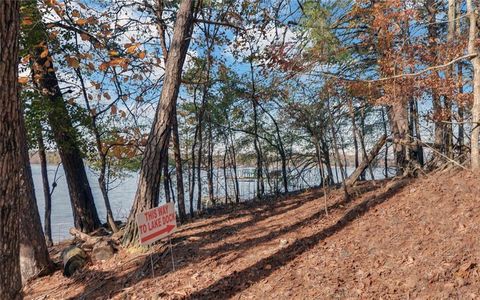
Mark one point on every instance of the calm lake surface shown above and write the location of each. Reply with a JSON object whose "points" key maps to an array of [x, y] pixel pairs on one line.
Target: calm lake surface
{"points": [[122, 193]]}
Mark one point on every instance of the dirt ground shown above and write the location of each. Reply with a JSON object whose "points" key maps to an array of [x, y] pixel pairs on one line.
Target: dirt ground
{"points": [[396, 239]]}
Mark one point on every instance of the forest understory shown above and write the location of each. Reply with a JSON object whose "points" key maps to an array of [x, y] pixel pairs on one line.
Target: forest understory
{"points": [[393, 239]]}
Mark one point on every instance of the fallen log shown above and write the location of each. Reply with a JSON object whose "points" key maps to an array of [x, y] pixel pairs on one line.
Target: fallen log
{"points": [[88, 240], [366, 161]]}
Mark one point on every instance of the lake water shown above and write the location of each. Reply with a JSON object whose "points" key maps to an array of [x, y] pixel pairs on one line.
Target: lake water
{"points": [[121, 196]]}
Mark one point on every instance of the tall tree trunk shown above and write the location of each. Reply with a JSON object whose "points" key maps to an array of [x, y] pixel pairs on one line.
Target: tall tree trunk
{"points": [[175, 137], [193, 168], [46, 187], [461, 108], [157, 143], [418, 148], [259, 159], [235, 173], [361, 137], [11, 127], [280, 148], [83, 206], [178, 170], [473, 49], [211, 195], [385, 131], [354, 132], [24, 251], [432, 27], [449, 75], [461, 114], [199, 163], [166, 175], [225, 180], [336, 152]]}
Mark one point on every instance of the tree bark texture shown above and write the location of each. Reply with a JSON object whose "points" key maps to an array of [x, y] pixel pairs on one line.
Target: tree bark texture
{"points": [[157, 143], [11, 183]]}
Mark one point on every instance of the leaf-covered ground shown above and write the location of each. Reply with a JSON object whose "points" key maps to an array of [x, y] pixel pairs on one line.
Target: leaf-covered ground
{"points": [[396, 239]]}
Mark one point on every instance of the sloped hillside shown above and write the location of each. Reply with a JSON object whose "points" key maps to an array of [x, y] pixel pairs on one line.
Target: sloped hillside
{"points": [[401, 239]]}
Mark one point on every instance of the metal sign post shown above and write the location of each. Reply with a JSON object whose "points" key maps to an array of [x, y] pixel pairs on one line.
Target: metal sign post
{"points": [[151, 262], [171, 252]]}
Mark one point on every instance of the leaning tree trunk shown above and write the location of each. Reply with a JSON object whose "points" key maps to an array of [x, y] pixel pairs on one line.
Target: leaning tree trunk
{"points": [[11, 184], [46, 187], [65, 136], [155, 150], [472, 49]]}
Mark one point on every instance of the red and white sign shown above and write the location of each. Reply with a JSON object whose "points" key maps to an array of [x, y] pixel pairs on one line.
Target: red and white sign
{"points": [[156, 223]]}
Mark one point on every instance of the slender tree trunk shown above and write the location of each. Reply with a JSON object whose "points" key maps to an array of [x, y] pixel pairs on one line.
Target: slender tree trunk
{"points": [[281, 150], [449, 75], [432, 27], [193, 168], [326, 159], [157, 143], [225, 180], [461, 108], [337, 153], [178, 170], [235, 175], [166, 185], [461, 114], [199, 166], [211, 195], [385, 131], [473, 49], [354, 132], [11, 158], [46, 187]]}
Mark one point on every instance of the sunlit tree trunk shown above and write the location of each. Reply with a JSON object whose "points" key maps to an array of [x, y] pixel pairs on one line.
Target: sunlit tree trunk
{"points": [[449, 75], [157, 143]]}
